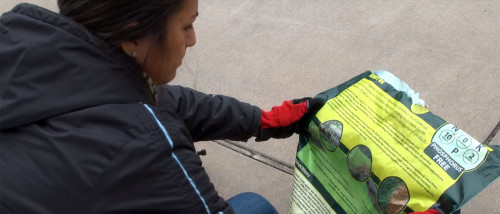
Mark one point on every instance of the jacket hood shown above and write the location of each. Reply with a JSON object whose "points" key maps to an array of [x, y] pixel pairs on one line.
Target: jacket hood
{"points": [[51, 65]]}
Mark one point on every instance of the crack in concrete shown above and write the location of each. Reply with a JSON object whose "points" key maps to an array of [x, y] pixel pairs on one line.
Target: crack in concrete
{"points": [[281, 166], [492, 134]]}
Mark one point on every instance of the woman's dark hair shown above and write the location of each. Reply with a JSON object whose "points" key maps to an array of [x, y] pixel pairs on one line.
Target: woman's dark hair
{"points": [[116, 21]]}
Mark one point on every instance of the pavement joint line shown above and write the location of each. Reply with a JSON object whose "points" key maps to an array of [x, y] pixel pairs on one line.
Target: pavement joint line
{"points": [[492, 134], [286, 168]]}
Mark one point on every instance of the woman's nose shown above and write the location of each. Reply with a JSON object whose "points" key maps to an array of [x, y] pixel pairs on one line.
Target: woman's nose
{"points": [[191, 39]]}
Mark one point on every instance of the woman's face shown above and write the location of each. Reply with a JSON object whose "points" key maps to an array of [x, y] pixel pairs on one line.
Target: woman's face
{"points": [[161, 62]]}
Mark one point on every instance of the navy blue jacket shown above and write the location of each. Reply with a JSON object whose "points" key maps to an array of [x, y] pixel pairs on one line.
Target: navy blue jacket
{"points": [[79, 132]]}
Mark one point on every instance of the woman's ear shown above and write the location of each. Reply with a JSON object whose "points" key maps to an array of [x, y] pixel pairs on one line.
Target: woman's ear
{"points": [[130, 48]]}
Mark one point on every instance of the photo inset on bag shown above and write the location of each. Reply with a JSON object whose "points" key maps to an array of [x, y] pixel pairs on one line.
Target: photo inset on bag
{"points": [[359, 161], [315, 136], [331, 132], [392, 195]]}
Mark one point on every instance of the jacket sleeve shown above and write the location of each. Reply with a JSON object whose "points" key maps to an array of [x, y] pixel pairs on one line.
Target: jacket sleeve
{"points": [[210, 117]]}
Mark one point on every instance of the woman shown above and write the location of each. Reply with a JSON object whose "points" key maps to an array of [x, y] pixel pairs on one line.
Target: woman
{"points": [[82, 130]]}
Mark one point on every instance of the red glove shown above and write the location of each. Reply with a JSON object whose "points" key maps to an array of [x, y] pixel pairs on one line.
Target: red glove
{"points": [[284, 115], [282, 121]]}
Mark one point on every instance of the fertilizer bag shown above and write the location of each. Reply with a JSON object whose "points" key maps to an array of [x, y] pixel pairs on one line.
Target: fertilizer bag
{"points": [[374, 147]]}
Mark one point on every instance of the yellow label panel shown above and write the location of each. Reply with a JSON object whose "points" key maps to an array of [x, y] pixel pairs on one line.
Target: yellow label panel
{"points": [[395, 136]]}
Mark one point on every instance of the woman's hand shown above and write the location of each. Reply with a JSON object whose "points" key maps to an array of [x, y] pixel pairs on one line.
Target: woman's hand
{"points": [[282, 121]]}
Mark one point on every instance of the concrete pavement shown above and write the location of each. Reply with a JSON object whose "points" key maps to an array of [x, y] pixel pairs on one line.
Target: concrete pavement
{"points": [[264, 52]]}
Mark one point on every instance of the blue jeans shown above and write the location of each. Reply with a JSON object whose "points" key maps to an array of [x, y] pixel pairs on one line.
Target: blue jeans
{"points": [[251, 203]]}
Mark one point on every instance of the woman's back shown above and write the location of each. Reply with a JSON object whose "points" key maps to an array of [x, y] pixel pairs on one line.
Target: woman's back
{"points": [[76, 133]]}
